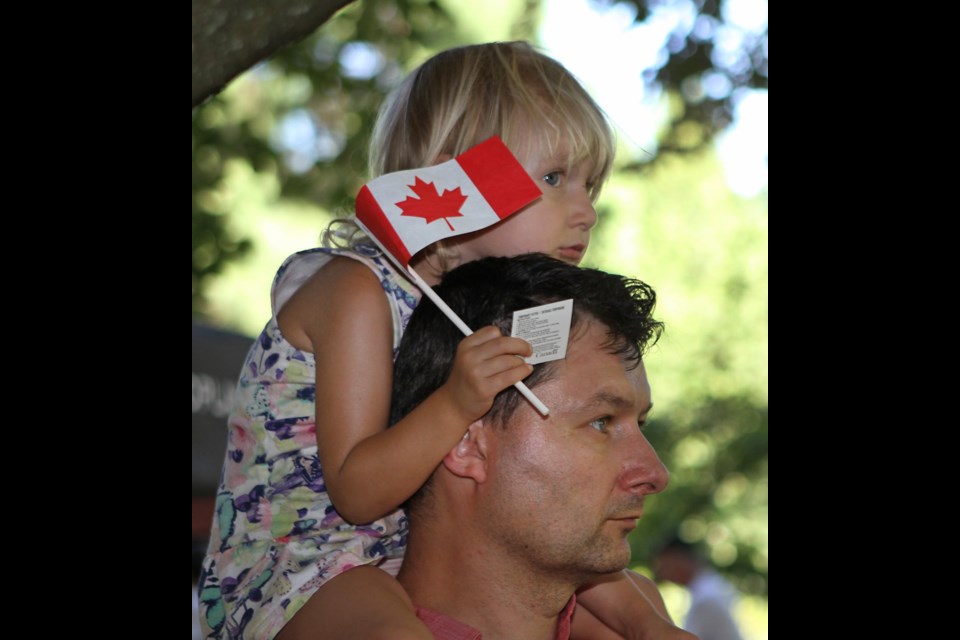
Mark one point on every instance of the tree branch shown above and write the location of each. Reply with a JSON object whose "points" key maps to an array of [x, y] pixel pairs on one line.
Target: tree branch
{"points": [[230, 36]]}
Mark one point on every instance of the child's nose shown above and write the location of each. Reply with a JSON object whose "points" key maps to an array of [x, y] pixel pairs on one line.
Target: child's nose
{"points": [[583, 214]]}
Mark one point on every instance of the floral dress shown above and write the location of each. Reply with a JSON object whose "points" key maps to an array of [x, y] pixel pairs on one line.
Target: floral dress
{"points": [[276, 537]]}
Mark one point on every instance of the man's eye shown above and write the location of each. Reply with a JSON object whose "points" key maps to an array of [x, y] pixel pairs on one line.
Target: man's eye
{"points": [[552, 178], [600, 424]]}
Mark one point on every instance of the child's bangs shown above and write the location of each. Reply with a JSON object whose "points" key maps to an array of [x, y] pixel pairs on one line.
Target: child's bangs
{"points": [[579, 129], [590, 141]]}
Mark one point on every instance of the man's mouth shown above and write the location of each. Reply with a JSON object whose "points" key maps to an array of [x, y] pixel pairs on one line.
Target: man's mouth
{"points": [[630, 518]]}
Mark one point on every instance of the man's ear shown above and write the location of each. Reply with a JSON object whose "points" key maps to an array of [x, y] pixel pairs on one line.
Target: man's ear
{"points": [[468, 458]]}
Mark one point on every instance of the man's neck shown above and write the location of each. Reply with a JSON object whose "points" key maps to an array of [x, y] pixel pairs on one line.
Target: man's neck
{"points": [[478, 586]]}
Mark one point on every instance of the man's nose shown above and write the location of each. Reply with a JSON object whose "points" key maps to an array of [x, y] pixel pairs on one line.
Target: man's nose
{"points": [[643, 472]]}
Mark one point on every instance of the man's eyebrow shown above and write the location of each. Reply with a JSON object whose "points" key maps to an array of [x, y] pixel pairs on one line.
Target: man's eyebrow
{"points": [[608, 399]]}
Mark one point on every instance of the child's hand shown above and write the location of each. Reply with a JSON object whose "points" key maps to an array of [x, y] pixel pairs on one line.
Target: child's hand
{"points": [[624, 605], [487, 362]]}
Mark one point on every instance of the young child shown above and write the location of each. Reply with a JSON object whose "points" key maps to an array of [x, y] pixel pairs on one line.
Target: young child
{"points": [[313, 479]]}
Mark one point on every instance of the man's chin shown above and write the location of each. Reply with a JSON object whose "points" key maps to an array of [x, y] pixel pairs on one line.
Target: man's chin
{"points": [[617, 558]]}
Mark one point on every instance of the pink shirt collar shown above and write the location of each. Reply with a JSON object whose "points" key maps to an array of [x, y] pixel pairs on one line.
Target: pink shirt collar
{"points": [[445, 628]]}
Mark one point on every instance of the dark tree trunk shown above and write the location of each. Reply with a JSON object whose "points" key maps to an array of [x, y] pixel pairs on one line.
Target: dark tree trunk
{"points": [[230, 36]]}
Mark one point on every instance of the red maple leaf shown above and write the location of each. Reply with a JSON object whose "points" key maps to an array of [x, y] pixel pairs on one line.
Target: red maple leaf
{"points": [[432, 206]]}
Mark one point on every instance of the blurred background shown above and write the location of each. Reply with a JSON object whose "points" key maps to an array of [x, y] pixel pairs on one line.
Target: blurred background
{"points": [[282, 149]]}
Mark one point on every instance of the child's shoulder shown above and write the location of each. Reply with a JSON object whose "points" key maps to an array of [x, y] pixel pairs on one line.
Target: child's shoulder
{"points": [[319, 290], [355, 267]]}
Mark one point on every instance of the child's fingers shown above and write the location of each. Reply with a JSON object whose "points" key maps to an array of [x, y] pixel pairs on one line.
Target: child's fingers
{"points": [[482, 346], [492, 360], [496, 375], [504, 363], [482, 363], [517, 346], [486, 364], [482, 335], [508, 377], [514, 347], [491, 337]]}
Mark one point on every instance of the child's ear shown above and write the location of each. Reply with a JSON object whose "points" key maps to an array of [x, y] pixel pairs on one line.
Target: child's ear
{"points": [[443, 157], [468, 458]]}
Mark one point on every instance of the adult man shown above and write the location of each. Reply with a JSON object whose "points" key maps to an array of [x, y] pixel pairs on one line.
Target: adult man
{"points": [[527, 509], [712, 597]]}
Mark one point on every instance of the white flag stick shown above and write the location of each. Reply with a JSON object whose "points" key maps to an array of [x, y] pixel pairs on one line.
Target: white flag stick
{"points": [[447, 311]]}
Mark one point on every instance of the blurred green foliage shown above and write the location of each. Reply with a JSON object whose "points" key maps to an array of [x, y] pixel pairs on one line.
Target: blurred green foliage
{"points": [[305, 82], [708, 60]]}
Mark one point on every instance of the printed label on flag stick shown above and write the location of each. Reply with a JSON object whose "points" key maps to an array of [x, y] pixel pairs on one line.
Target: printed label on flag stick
{"points": [[409, 210], [546, 328]]}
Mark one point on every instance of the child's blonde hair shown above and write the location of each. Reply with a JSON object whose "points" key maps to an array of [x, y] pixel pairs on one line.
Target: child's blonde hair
{"points": [[462, 96]]}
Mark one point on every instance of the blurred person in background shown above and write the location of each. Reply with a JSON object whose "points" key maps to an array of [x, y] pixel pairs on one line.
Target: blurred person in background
{"points": [[712, 597]]}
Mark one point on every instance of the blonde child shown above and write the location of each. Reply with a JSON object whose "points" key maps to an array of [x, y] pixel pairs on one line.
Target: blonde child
{"points": [[313, 479]]}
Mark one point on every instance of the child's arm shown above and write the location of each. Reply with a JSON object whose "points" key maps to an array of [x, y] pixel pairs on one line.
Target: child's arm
{"points": [[628, 604], [342, 316]]}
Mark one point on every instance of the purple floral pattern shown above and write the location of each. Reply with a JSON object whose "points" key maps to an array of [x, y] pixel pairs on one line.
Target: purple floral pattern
{"points": [[276, 537]]}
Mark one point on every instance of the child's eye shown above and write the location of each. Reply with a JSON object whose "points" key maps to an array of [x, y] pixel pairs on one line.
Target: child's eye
{"points": [[600, 424], [552, 178]]}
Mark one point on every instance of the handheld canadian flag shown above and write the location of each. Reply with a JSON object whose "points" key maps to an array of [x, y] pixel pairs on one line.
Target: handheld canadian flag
{"points": [[405, 211]]}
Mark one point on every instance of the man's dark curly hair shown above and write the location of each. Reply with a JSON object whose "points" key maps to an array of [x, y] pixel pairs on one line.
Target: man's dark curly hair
{"points": [[488, 291]]}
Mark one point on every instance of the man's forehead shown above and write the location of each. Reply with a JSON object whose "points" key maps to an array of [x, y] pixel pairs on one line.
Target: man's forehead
{"points": [[613, 383], [592, 374], [590, 347]]}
